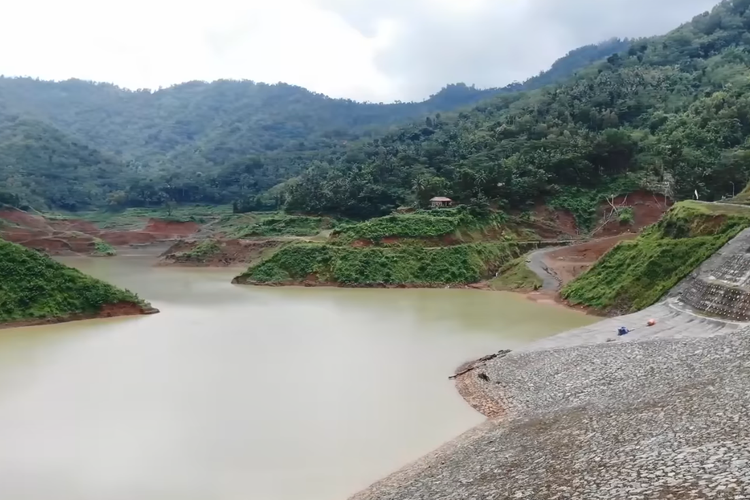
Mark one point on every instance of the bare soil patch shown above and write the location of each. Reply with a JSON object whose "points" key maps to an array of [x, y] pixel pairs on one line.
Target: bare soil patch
{"points": [[230, 253], [570, 262]]}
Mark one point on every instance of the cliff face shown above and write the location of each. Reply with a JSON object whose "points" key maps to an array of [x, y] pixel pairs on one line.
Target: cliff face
{"points": [[36, 289]]}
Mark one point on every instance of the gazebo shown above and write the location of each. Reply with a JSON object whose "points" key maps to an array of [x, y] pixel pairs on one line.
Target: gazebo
{"points": [[440, 202]]}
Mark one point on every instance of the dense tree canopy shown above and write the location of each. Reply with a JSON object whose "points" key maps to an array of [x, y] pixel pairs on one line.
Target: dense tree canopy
{"points": [[673, 109], [73, 144]]}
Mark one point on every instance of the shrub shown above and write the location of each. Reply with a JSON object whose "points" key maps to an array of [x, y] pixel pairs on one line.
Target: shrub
{"points": [[33, 286], [458, 264], [288, 225], [103, 248], [625, 215], [203, 251]]}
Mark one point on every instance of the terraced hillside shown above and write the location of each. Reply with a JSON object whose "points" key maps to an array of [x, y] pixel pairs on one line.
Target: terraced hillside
{"points": [[429, 248]]}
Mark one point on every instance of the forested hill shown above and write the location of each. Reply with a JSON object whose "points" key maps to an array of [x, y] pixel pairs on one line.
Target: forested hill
{"points": [[197, 142], [39, 165], [672, 109]]}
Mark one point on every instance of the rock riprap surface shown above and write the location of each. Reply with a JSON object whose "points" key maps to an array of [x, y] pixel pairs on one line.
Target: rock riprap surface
{"points": [[636, 420], [660, 413]]}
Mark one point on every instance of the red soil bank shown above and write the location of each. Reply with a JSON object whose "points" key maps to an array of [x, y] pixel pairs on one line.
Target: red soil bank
{"points": [[107, 311], [173, 228], [80, 226], [24, 219], [124, 238], [647, 207], [570, 262]]}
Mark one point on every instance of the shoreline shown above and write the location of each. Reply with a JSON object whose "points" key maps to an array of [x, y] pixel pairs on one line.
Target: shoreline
{"points": [[538, 296], [581, 420], [467, 382], [107, 311], [542, 398]]}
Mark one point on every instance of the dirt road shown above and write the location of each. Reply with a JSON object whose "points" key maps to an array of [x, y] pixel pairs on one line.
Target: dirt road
{"points": [[558, 266]]}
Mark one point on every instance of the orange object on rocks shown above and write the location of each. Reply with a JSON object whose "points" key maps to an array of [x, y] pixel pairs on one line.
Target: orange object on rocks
{"points": [[651, 322]]}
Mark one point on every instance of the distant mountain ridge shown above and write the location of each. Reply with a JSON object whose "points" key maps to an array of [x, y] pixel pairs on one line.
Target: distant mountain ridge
{"points": [[222, 140], [670, 111]]}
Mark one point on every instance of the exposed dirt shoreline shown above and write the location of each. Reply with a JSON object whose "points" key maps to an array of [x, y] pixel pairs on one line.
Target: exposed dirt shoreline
{"points": [[80, 237], [108, 311], [540, 297]]}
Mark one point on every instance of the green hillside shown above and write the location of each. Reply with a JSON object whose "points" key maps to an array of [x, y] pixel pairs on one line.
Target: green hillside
{"points": [[397, 266], [35, 287], [202, 142], [39, 165], [636, 274], [670, 111], [426, 227]]}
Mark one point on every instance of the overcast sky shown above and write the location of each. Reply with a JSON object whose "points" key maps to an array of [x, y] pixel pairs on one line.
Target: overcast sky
{"points": [[377, 50]]}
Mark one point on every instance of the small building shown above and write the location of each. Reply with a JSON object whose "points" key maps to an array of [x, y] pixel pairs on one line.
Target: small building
{"points": [[440, 202]]}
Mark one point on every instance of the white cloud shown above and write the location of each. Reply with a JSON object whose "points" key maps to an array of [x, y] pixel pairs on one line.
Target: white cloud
{"points": [[494, 42], [363, 49], [140, 44]]}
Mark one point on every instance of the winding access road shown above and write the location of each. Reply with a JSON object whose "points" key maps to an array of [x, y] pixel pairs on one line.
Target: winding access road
{"points": [[535, 262]]}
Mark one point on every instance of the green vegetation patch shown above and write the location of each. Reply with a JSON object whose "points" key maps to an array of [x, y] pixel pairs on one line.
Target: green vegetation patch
{"points": [[103, 248], [584, 203], [401, 226], [636, 274], [203, 251], [626, 216], [516, 276], [375, 266], [423, 224], [135, 218], [33, 286], [283, 225]]}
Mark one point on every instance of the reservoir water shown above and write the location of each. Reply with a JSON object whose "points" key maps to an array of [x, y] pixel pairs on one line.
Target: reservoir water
{"points": [[237, 392]]}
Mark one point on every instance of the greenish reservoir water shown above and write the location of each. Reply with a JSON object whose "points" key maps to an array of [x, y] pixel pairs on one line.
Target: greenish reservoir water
{"points": [[237, 392]]}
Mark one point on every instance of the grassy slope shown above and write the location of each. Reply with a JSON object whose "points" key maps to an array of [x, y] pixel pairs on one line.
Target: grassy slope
{"points": [[475, 248], [516, 276], [279, 225], [427, 226], [374, 266], [636, 274], [134, 218], [33, 286]]}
